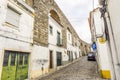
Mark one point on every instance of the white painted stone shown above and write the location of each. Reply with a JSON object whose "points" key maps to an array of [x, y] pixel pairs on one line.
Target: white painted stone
{"points": [[12, 38]]}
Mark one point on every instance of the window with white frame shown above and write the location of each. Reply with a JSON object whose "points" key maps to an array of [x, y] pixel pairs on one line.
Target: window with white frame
{"points": [[12, 17]]}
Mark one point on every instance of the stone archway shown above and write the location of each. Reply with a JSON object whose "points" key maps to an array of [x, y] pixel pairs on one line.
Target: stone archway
{"points": [[55, 16]]}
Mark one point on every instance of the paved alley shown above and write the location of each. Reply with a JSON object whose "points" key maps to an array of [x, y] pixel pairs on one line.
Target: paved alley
{"points": [[80, 70]]}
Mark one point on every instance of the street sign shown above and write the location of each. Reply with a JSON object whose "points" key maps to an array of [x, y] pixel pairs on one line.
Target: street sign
{"points": [[94, 46]]}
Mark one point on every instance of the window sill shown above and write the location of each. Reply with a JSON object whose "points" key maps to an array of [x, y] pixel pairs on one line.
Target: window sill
{"points": [[10, 25]]}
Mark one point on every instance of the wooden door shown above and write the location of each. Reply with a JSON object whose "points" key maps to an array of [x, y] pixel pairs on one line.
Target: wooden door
{"points": [[15, 66], [22, 66], [51, 60], [9, 66]]}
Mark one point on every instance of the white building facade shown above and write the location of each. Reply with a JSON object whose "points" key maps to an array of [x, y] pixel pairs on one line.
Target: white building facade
{"points": [[73, 47], [21, 57], [16, 25], [57, 52], [113, 22], [69, 45], [111, 14], [102, 52]]}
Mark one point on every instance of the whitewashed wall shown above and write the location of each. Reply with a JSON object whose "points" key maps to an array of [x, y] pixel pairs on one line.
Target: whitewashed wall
{"points": [[114, 31], [52, 40], [39, 53], [70, 47], [102, 48], [69, 37], [16, 39], [103, 55], [98, 21], [69, 41]]}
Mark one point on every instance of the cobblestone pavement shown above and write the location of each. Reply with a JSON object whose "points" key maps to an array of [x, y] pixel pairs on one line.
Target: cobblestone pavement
{"points": [[79, 70]]}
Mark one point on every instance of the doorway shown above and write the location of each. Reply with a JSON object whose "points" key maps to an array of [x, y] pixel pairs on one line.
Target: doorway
{"points": [[59, 58], [51, 60], [15, 65]]}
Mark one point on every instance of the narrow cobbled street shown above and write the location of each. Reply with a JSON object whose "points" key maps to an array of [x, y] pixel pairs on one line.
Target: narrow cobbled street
{"points": [[79, 70]]}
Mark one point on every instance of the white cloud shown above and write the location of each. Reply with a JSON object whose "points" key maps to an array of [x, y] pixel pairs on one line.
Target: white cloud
{"points": [[77, 12]]}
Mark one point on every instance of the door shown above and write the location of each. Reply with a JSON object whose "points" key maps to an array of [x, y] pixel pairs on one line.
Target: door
{"points": [[75, 55], [51, 60], [15, 66], [68, 52], [22, 66], [79, 54], [9, 66], [59, 58], [71, 56]]}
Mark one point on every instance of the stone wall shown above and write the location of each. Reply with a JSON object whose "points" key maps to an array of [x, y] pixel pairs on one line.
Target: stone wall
{"points": [[42, 10], [40, 36]]}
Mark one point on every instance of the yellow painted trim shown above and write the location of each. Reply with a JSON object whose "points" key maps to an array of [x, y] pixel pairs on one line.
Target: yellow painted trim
{"points": [[102, 40], [105, 74]]}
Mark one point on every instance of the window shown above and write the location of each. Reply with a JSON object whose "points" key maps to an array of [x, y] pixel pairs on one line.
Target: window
{"points": [[13, 56], [26, 59], [12, 17], [20, 59], [81, 44], [51, 30], [6, 59], [69, 36], [58, 38]]}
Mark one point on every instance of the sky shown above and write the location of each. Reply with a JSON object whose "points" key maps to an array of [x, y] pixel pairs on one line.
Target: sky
{"points": [[77, 12]]}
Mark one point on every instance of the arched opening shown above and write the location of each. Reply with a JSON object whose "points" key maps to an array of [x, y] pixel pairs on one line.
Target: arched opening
{"points": [[55, 16]]}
